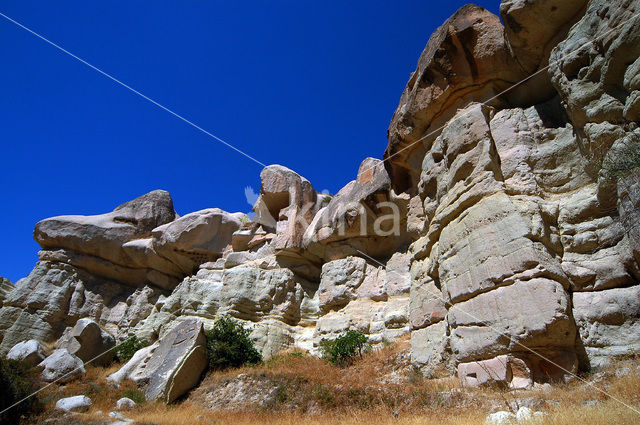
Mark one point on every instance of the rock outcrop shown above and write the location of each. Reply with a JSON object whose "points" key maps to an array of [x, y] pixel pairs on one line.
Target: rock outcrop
{"points": [[89, 342], [29, 352], [5, 287]]}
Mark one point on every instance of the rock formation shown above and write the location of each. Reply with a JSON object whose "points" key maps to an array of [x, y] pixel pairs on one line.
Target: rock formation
{"points": [[493, 233], [5, 287]]}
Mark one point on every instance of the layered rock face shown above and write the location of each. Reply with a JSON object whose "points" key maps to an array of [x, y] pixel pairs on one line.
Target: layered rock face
{"points": [[525, 244], [494, 232]]}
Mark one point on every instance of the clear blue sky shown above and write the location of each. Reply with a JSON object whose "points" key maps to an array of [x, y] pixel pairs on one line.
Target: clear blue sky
{"points": [[310, 85]]}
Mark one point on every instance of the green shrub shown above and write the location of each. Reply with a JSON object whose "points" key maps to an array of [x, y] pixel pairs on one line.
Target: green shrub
{"points": [[229, 345], [15, 387], [135, 395], [127, 348], [343, 350]]}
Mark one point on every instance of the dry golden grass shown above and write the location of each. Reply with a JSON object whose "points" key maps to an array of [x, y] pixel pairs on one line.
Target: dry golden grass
{"points": [[359, 394]]}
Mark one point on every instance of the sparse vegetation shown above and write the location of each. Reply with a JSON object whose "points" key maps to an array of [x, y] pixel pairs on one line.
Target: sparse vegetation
{"points": [[623, 159], [343, 350], [127, 348], [136, 395], [16, 386], [229, 345]]}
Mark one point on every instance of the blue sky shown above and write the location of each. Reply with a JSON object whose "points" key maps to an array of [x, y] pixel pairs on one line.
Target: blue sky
{"points": [[310, 85]]}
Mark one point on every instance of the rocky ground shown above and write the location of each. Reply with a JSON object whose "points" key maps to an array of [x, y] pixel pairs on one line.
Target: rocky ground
{"points": [[295, 387]]}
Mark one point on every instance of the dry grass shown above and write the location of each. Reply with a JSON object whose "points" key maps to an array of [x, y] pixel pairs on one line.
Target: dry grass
{"points": [[364, 393]]}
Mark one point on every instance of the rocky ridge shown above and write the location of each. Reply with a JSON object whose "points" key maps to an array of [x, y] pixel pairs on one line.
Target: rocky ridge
{"points": [[491, 234]]}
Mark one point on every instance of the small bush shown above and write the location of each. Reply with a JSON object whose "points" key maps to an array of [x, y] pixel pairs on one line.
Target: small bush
{"points": [[343, 350], [127, 348], [135, 395], [229, 345], [15, 387]]}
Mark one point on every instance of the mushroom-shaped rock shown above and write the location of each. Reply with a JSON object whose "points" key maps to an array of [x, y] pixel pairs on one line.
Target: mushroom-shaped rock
{"points": [[287, 204], [28, 352], [90, 342], [62, 366], [196, 238], [365, 216], [95, 243]]}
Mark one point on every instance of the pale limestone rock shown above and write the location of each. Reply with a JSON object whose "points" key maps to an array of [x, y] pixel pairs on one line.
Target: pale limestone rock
{"points": [[55, 295], [534, 313], [173, 365], [532, 28], [125, 403], [465, 60], [195, 238], [79, 403], [608, 323], [61, 366], [89, 342], [28, 352], [95, 242], [359, 219], [509, 371], [430, 350]]}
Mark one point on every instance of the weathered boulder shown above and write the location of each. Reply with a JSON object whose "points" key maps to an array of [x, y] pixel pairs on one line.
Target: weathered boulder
{"points": [[196, 238], [89, 342], [431, 351], [79, 403], [534, 313], [509, 371], [28, 352], [125, 403], [173, 365], [465, 60], [594, 71], [62, 366]]}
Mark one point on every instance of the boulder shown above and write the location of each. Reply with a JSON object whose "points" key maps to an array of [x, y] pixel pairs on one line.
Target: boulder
{"points": [[172, 366], [196, 238], [28, 352], [532, 28], [125, 403], [504, 370], [79, 403], [90, 342], [62, 366], [431, 352]]}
